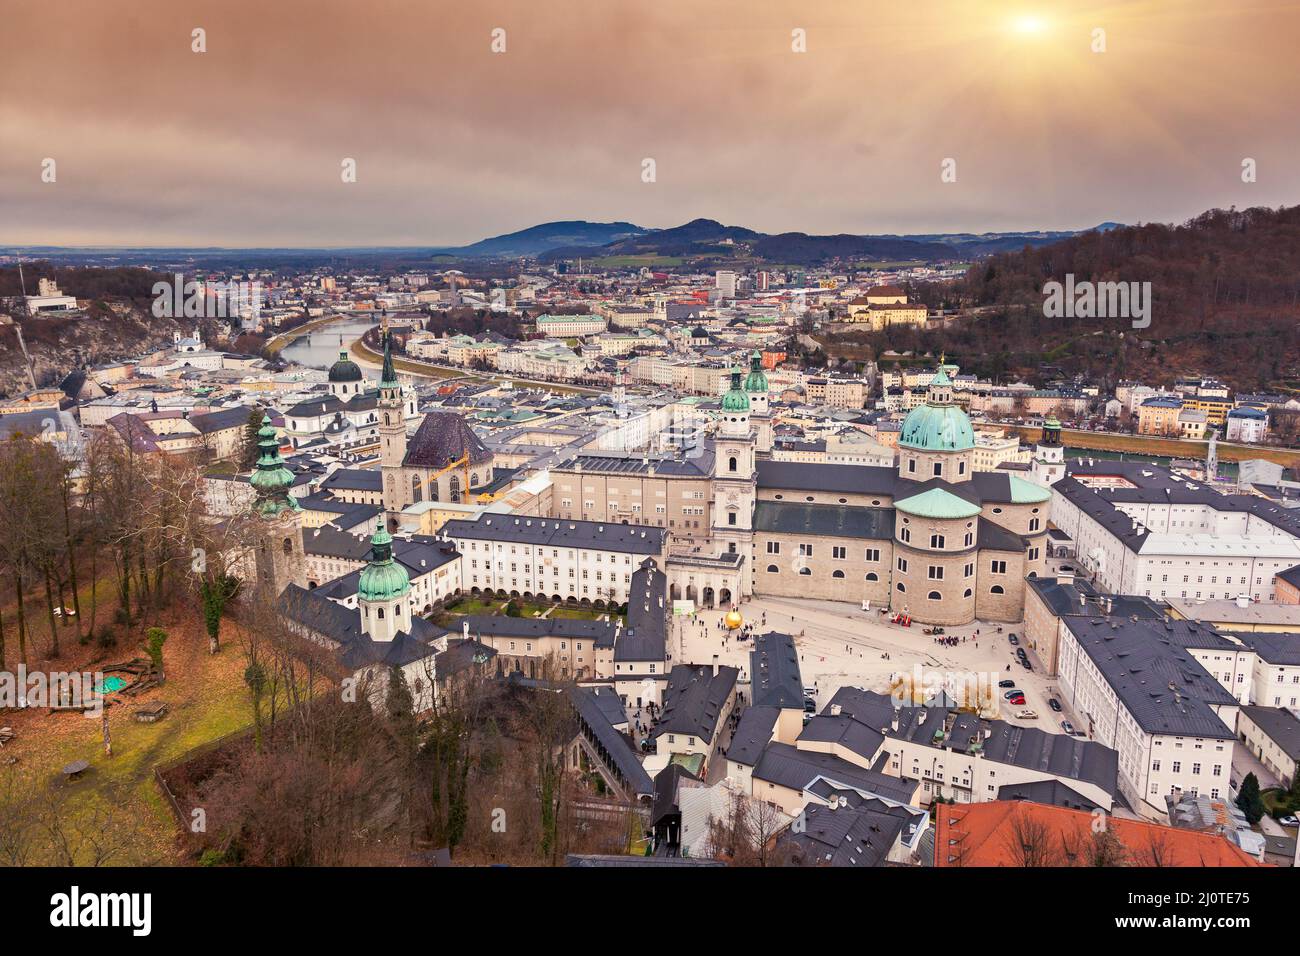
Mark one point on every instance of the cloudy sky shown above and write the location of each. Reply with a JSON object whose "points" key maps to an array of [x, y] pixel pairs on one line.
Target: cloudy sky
{"points": [[242, 145]]}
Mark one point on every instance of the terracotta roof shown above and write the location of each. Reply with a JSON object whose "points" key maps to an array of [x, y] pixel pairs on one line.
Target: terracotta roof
{"points": [[991, 834]]}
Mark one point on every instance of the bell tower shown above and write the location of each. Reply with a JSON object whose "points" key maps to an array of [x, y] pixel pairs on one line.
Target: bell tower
{"points": [[1048, 466], [734, 480], [392, 438]]}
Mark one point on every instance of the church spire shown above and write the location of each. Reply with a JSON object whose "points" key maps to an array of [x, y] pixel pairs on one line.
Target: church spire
{"points": [[271, 479], [389, 377]]}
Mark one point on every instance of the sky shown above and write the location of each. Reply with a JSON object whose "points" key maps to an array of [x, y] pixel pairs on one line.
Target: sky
{"points": [[154, 144]]}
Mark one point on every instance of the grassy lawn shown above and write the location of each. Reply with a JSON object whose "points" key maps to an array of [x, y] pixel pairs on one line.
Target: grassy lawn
{"points": [[497, 606], [117, 800]]}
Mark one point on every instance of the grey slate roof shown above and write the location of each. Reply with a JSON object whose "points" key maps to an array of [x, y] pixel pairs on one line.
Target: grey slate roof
{"points": [[646, 635], [774, 672], [551, 532], [837, 521], [1281, 726], [693, 700], [342, 626], [753, 733], [795, 769], [1147, 665]]}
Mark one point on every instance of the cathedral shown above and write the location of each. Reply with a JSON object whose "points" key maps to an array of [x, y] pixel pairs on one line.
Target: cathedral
{"points": [[931, 539], [443, 461]]}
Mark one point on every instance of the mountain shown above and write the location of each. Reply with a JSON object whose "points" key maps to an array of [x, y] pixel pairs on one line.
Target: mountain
{"points": [[710, 239], [549, 235]]}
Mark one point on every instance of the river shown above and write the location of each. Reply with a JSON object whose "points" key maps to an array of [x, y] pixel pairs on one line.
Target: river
{"points": [[320, 348]]}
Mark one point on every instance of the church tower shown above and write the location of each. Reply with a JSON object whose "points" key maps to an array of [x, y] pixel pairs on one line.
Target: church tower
{"points": [[279, 555], [1048, 466], [734, 480], [382, 592], [760, 414], [392, 438]]}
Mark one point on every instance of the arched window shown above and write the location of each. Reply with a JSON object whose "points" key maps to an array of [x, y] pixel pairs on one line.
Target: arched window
{"points": [[397, 610], [901, 587], [805, 570], [385, 418], [417, 493], [967, 593], [288, 546], [996, 589], [873, 576], [453, 487], [837, 574], [731, 463], [379, 613], [935, 596], [772, 569]]}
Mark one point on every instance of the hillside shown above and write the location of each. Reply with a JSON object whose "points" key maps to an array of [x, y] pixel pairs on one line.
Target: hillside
{"points": [[549, 235], [1226, 301]]}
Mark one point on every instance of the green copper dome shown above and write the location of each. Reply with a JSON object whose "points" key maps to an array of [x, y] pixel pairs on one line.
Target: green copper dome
{"points": [[271, 479], [383, 578], [735, 400], [939, 424], [756, 381]]}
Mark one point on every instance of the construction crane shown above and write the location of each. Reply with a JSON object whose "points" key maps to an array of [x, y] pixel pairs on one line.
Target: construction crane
{"points": [[463, 464]]}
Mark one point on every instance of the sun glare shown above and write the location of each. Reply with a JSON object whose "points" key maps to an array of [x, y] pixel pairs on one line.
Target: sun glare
{"points": [[1029, 25]]}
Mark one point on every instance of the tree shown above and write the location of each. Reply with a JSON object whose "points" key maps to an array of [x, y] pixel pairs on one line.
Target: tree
{"points": [[154, 639], [248, 451], [1249, 800]]}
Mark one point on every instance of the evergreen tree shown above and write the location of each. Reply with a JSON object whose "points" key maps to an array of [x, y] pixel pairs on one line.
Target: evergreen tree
{"points": [[248, 451], [1249, 800]]}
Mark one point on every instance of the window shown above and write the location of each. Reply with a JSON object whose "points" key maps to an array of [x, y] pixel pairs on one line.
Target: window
{"points": [[938, 469], [872, 576], [902, 565], [839, 554], [996, 589], [998, 567], [806, 550], [837, 574], [911, 465], [934, 596], [936, 572], [901, 588], [936, 541], [873, 555], [731, 463], [774, 547], [772, 569]]}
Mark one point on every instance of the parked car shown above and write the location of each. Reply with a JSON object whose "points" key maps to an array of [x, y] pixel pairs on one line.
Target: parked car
{"points": [[1055, 704], [1288, 821], [1014, 692], [1006, 683], [1013, 639], [1067, 727], [810, 692], [809, 706], [1017, 701], [1027, 714], [1024, 661]]}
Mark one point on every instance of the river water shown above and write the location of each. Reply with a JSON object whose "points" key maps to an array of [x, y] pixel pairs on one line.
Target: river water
{"points": [[320, 348]]}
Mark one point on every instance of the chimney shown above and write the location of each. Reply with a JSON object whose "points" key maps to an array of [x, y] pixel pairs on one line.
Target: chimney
{"points": [[715, 665], [1243, 600], [835, 712]]}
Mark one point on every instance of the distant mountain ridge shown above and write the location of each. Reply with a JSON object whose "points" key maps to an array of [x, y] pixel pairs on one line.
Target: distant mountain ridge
{"points": [[546, 236], [708, 238]]}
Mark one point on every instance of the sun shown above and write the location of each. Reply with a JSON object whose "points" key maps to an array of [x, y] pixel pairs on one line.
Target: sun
{"points": [[1029, 24]]}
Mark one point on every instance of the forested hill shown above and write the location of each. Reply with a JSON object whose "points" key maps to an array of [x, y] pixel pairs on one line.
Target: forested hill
{"points": [[1212, 266]]}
